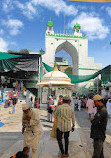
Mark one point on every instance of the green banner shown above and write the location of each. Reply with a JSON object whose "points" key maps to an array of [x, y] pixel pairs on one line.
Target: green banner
{"points": [[75, 78]]}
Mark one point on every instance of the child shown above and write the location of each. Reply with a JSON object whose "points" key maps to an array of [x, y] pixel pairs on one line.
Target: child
{"points": [[22, 154]]}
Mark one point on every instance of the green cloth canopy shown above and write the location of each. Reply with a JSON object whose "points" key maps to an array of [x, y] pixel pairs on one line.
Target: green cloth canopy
{"points": [[106, 75], [82, 78], [7, 56], [7, 61], [75, 78], [48, 68]]}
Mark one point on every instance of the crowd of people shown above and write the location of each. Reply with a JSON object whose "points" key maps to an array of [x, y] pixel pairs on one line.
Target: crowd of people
{"points": [[63, 117], [92, 109], [75, 102], [11, 100]]}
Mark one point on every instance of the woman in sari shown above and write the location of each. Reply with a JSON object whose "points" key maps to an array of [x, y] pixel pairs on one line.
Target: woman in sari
{"points": [[54, 128]]}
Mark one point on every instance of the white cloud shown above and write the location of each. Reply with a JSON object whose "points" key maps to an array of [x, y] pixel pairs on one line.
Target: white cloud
{"points": [[103, 7], [81, 7], [1, 31], [3, 45], [14, 25], [108, 9], [91, 25], [30, 8], [58, 6], [13, 43], [7, 5]]}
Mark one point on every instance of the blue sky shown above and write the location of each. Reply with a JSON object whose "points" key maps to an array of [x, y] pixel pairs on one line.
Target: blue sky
{"points": [[23, 25]]}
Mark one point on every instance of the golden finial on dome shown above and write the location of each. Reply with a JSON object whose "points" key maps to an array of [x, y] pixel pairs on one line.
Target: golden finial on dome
{"points": [[55, 67]]}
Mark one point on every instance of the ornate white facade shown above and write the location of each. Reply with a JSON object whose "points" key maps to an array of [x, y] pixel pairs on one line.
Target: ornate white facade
{"points": [[75, 45]]}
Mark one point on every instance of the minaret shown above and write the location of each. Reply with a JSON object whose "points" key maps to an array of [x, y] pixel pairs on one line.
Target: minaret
{"points": [[77, 28], [49, 27]]}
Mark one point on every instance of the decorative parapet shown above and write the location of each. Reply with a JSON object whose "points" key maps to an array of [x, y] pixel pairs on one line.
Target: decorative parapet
{"points": [[67, 36]]}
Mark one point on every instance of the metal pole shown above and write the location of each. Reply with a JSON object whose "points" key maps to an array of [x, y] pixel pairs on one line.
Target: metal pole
{"points": [[40, 96], [64, 23], [97, 86]]}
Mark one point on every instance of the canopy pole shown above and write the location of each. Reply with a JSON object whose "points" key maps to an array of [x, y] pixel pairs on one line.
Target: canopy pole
{"points": [[40, 96], [97, 85]]}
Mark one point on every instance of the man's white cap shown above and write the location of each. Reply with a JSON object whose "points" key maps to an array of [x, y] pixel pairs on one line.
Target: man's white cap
{"points": [[25, 106], [50, 96]]}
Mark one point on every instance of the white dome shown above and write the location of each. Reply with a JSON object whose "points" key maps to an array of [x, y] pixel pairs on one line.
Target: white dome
{"points": [[55, 75]]}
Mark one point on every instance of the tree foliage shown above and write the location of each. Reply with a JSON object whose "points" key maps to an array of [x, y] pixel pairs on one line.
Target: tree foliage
{"points": [[22, 51], [68, 70], [12, 51]]}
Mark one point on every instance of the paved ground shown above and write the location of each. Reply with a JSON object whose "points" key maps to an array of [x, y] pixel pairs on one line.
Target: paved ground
{"points": [[80, 146]]}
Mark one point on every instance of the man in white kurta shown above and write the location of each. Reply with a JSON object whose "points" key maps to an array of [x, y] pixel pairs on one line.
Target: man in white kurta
{"points": [[32, 128], [108, 105], [73, 103], [79, 104]]}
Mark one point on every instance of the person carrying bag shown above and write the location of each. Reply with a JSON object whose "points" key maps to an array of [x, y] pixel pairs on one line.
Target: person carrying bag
{"points": [[49, 109]]}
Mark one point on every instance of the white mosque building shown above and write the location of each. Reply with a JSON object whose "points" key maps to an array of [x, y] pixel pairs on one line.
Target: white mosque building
{"points": [[76, 45]]}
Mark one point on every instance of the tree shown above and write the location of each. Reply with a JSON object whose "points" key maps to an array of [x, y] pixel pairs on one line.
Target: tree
{"points": [[24, 51], [12, 51], [68, 70]]}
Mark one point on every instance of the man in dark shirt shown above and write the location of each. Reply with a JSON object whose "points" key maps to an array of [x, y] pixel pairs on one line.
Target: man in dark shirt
{"points": [[98, 127]]}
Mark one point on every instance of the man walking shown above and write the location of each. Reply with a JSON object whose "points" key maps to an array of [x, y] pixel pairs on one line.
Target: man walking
{"points": [[98, 127], [32, 128], [66, 117], [79, 104], [31, 103], [73, 103], [49, 108], [14, 101], [90, 105]]}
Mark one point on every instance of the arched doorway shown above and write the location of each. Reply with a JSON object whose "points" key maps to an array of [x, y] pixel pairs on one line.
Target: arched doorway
{"points": [[72, 51]]}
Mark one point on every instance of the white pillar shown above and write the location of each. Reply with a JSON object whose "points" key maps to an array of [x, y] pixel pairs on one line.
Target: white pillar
{"points": [[39, 69]]}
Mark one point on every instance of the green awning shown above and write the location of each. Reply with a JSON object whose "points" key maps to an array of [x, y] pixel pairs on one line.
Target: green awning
{"points": [[7, 61], [7, 56]]}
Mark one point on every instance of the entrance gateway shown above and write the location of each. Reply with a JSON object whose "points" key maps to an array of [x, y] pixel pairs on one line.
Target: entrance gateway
{"points": [[75, 45]]}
